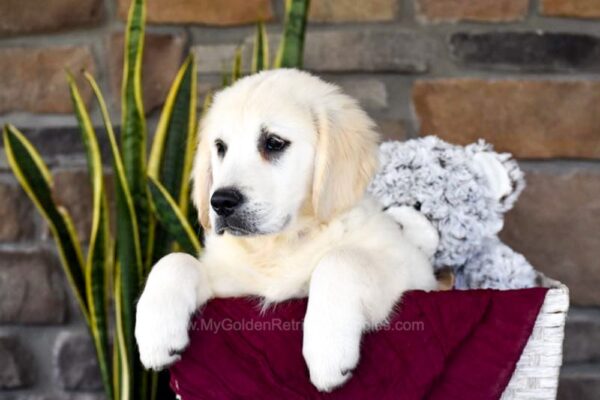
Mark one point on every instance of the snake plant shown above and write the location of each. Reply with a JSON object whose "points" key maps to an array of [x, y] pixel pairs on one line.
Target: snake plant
{"points": [[153, 210]]}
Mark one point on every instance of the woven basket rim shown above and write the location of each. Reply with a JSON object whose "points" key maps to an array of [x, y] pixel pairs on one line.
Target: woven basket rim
{"points": [[552, 284]]}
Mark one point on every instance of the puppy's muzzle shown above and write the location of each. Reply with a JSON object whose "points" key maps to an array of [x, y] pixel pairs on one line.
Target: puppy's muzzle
{"points": [[226, 200]]}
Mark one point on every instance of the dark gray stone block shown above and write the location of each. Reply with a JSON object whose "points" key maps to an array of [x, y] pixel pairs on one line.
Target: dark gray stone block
{"points": [[75, 362], [31, 288], [532, 51], [582, 336], [579, 382], [16, 364]]}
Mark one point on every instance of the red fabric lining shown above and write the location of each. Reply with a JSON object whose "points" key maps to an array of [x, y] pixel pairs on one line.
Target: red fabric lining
{"points": [[461, 345]]}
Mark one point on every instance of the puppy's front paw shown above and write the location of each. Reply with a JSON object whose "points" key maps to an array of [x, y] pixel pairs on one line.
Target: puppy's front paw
{"points": [[164, 311], [161, 332], [331, 353]]}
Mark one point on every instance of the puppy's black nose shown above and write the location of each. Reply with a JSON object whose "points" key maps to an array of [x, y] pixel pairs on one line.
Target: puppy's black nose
{"points": [[225, 201]]}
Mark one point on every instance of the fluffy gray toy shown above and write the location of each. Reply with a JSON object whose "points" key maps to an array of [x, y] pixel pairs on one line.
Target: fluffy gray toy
{"points": [[463, 192]]}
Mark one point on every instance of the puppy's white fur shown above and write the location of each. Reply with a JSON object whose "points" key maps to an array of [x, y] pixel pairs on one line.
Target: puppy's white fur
{"points": [[314, 232]]}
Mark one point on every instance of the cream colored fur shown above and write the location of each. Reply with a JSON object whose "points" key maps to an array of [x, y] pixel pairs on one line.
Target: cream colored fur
{"points": [[317, 235]]}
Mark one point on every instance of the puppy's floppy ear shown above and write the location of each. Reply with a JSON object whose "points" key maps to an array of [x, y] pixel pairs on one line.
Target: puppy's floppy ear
{"points": [[202, 182], [346, 155]]}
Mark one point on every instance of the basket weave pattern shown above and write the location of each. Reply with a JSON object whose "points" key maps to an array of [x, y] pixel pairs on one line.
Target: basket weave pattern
{"points": [[536, 374]]}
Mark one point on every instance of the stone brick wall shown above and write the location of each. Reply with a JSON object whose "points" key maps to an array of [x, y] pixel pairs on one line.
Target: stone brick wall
{"points": [[520, 73]]}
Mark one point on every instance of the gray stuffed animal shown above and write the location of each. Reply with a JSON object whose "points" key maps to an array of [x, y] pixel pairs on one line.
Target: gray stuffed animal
{"points": [[463, 192]]}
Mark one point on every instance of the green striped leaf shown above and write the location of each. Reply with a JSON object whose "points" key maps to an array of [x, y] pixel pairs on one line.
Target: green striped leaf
{"points": [[172, 219], [129, 256], [98, 260], [260, 54], [175, 136], [125, 389], [35, 178], [236, 69], [116, 360], [291, 48], [191, 142], [225, 78], [133, 126]]}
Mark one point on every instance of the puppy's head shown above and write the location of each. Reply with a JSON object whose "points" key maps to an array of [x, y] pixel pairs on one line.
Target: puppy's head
{"points": [[278, 144]]}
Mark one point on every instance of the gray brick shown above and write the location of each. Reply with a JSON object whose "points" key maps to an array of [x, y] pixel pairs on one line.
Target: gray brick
{"points": [[61, 396], [53, 142], [73, 191], [216, 58], [75, 362], [31, 288], [16, 366], [57, 143], [582, 336], [372, 49], [579, 382], [88, 396], [16, 213], [371, 93], [531, 51], [368, 50]]}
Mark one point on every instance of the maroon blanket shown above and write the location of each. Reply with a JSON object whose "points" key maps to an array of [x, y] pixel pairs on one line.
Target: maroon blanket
{"points": [[440, 345]]}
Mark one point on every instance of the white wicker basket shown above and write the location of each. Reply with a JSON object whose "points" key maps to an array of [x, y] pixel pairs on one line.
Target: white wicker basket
{"points": [[536, 375]]}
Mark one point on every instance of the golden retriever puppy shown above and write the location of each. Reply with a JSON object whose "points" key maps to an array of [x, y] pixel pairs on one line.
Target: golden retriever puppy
{"points": [[279, 182]]}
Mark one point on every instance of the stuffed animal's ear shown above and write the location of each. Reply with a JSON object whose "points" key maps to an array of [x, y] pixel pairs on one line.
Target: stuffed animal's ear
{"points": [[346, 155], [502, 172], [202, 182], [495, 173]]}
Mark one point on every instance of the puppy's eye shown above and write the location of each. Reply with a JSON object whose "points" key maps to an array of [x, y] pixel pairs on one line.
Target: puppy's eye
{"points": [[275, 144], [221, 148], [271, 146]]}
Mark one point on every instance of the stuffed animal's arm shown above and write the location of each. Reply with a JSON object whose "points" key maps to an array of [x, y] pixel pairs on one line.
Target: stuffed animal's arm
{"points": [[496, 266], [416, 228]]}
